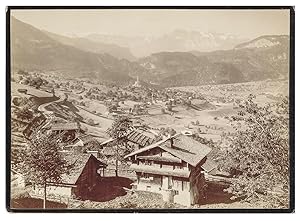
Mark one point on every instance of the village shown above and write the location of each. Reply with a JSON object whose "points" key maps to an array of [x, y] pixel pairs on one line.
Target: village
{"points": [[166, 156]]}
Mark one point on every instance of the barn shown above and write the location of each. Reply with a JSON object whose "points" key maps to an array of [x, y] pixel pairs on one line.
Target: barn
{"points": [[84, 175]]}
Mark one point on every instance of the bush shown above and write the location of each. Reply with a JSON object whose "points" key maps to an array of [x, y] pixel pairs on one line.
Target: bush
{"points": [[128, 204]]}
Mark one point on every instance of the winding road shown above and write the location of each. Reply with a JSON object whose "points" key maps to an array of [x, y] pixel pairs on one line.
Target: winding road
{"points": [[48, 114]]}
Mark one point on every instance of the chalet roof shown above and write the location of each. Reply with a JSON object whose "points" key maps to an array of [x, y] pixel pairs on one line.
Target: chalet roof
{"points": [[139, 138], [78, 162], [65, 126], [135, 136], [209, 165], [151, 146], [187, 149], [160, 171], [183, 147]]}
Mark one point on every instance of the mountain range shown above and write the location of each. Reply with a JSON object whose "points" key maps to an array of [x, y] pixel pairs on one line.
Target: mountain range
{"points": [[177, 40], [94, 46], [266, 57]]}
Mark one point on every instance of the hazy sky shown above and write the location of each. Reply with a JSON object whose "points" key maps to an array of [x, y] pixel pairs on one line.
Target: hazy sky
{"points": [[244, 23]]}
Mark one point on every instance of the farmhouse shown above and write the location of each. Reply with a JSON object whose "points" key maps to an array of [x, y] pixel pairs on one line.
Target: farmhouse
{"points": [[69, 130], [84, 175], [174, 167]]}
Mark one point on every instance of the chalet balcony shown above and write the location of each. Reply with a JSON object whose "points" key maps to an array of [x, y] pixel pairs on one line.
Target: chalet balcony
{"points": [[160, 171]]}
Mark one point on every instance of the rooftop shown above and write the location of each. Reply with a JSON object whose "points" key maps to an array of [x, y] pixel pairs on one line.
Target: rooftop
{"points": [[135, 136], [78, 162], [139, 138], [65, 126], [181, 146], [209, 165]]}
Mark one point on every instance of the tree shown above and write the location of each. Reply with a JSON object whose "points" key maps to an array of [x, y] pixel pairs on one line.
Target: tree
{"points": [[66, 97], [112, 108], [165, 132], [36, 82], [24, 113], [22, 72], [17, 101], [259, 152], [169, 106], [91, 121], [44, 163], [53, 92], [118, 131]]}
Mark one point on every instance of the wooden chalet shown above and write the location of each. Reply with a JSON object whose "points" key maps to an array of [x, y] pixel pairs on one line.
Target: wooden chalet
{"points": [[83, 177], [174, 167]]}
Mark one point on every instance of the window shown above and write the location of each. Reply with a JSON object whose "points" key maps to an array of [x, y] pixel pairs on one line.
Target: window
{"points": [[148, 162], [183, 185], [177, 184], [144, 175], [170, 182]]}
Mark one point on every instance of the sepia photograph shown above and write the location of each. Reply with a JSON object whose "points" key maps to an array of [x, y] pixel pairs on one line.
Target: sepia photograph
{"points": [[140, 109]]}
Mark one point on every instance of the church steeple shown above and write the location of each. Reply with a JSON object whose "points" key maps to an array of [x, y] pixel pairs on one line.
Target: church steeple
{"points": [[137, 82]]}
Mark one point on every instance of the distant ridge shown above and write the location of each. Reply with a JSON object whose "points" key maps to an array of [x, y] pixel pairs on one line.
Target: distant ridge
{"points": [[266, 57], [93, 46]]}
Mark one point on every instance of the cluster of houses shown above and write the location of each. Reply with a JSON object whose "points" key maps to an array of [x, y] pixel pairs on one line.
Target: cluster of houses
{"points": [[175, 166]]}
